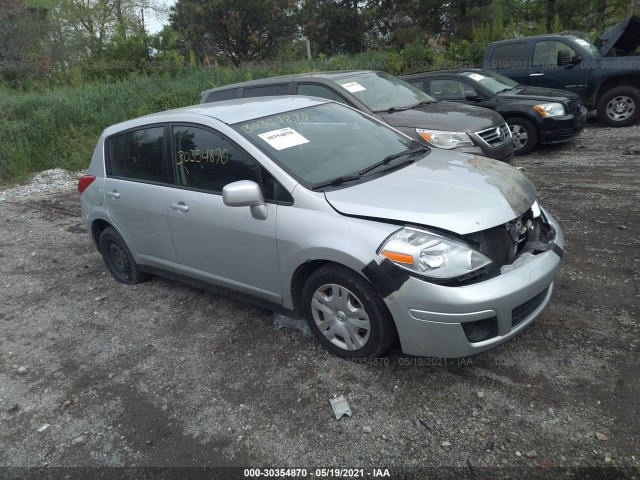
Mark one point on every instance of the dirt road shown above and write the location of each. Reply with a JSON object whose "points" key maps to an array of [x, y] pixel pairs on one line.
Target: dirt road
{"points": [[98, 374]]}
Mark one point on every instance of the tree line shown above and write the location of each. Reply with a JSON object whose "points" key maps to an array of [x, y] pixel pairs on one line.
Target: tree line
{"points": [[62, 42]]}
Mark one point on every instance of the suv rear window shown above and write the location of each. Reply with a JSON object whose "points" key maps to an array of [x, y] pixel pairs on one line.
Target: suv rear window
{"points": [[137, 155], [509, 56]]}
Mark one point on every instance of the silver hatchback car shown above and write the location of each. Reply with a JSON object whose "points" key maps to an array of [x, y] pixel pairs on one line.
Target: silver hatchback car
{"points": [[316, 210]]}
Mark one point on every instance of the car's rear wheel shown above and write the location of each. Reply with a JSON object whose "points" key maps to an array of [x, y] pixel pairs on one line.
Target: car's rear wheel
{"points": [[118, 258], [619, 107], [346, 314], [525, 135]]}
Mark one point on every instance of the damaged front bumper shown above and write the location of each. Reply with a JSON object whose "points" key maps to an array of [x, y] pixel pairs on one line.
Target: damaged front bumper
{"points": [[457, 321]]}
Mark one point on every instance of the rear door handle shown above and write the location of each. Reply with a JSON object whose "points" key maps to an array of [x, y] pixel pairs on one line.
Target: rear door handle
{"points": [[538, 74], [113, 194], [180, 207]]}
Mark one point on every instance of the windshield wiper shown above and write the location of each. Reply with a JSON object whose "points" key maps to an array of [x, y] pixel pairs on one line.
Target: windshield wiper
{"points": [[505, 89], [423, 103], [390, 158], [408, 107], [336, 181]]}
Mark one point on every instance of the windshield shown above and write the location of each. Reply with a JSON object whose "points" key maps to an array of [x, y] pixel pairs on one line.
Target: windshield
{"points": [[323, 142], [493, 81], [380, 91], [586, 45]]}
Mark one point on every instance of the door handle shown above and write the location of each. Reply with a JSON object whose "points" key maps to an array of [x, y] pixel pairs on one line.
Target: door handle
{"points": [[113, 194], [180, 207], [538, 74]]}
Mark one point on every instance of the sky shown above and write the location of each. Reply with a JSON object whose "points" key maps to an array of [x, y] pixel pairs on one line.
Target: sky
{"points": [[154, 23]]}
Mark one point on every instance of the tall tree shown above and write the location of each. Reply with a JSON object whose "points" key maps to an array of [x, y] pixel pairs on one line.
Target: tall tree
{"points": [[236, 30]]}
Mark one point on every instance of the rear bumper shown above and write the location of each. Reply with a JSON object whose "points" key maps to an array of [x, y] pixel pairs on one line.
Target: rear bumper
{"points": [[431, 319], [562, 129]]}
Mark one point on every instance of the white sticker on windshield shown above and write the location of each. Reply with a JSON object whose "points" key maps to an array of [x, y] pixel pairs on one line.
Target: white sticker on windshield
{"points": [[283, 138], [582, 42], [477, 76], [353, 87]]}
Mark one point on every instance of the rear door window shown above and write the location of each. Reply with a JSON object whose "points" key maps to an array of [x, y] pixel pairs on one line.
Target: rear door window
{"points": [[138, 155], [321, 91], [509, 56], [449, 89], [266, 90]]}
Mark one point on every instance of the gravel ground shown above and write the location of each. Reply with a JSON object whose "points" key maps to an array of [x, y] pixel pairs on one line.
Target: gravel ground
{"points": [[97, 374]]}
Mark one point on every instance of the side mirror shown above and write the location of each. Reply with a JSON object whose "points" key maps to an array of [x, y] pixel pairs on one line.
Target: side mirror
{"points": [[473, 96], [564, 58], [245, 193]]}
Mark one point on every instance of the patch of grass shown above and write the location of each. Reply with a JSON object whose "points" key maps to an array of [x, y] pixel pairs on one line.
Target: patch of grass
{"points": [[59, 128]]}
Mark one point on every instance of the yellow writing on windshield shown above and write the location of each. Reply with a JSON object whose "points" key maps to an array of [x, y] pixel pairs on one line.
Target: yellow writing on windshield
{"points": [[276, 121]]}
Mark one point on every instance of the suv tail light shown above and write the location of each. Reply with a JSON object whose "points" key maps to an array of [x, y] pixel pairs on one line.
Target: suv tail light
{"points": [[84, 181]]}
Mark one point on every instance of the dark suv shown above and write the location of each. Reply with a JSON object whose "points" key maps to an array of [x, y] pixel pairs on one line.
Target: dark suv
{"points": [[569, 61], [439, 124], [535, 115]]}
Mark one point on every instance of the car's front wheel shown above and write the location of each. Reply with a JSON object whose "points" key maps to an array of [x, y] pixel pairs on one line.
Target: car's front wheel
{"points": [[346, 314], [619, 107], [525, 135], [118, 258]]}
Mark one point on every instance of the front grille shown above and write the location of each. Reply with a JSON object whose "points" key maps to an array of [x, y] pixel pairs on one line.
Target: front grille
{"points": [[574, 107], [495, 136], [521, 312]]}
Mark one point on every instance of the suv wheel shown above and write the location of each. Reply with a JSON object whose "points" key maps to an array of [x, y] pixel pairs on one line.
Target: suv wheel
{"points": [[619, 107], [346, 314], [118, 258], [525, 135]]}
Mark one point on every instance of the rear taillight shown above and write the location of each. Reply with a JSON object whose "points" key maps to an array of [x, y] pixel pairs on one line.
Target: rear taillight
{"points": [[84, 181]]}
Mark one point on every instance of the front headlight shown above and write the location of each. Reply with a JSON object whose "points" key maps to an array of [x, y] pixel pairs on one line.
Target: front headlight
{"points": [[446, 140], [431, 254], [549, 109]]}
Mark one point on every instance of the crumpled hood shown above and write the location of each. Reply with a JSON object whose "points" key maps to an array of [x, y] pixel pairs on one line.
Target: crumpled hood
{"points": [[448, 116], [452, 191]]}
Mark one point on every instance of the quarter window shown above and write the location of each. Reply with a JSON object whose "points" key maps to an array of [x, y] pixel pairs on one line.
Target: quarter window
{"points": [[207, 161], [221, 95], [137, 155]]}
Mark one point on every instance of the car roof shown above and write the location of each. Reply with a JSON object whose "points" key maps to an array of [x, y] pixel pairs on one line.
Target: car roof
{"points": [[329, 75], [432, 73], [535, 37], [227, 111]]}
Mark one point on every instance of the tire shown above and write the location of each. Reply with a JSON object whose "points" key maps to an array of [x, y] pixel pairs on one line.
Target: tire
{"points": [[118, 258], [346, 314], [525, 135], [619, 107]]}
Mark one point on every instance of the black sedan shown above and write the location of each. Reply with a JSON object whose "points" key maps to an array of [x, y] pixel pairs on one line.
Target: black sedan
{"points": [[535, 115]]}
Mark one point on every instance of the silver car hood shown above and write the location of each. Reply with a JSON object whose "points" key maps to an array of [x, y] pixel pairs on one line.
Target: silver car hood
{"points": [[455, 192]]}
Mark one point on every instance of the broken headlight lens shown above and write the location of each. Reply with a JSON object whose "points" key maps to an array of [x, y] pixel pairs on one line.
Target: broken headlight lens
{"points": [[431, 254], [446, 140]]}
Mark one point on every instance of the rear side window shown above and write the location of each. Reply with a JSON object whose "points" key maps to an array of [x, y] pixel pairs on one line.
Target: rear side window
{"points": [[319, 91], [509, 56], [417, 84], [266, 91], [448, 89], [207, 161], [137, 155], [228, 94]]}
